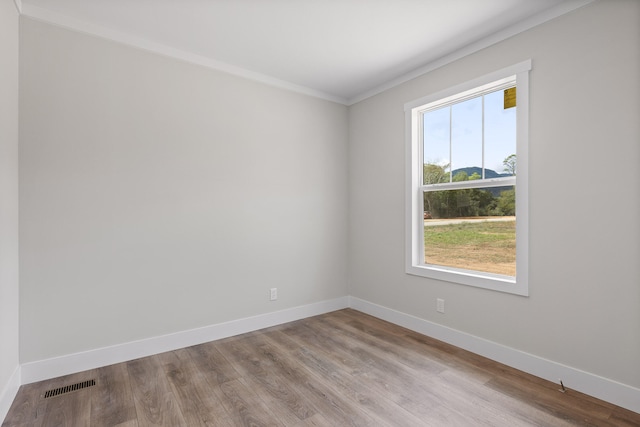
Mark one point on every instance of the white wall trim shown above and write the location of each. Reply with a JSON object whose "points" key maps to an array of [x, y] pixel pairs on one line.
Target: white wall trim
{"points": [[602, 388], [494, 38], [85, 27], [78, 362], [8, 394]]}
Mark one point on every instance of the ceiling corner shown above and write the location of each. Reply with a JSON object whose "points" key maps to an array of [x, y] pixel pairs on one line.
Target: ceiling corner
{"points": [[478, 45]]}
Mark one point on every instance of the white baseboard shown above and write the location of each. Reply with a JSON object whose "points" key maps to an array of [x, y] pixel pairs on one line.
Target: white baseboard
{"points": [[602, 388], [9, 393], [78, 362]]}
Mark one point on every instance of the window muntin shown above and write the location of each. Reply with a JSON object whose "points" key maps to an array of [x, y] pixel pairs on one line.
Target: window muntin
{"points": [[464, 186], [465, 228]]}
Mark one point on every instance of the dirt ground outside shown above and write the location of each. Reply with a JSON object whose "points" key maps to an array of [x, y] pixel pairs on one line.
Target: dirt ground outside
{"points": [[487, 245]]}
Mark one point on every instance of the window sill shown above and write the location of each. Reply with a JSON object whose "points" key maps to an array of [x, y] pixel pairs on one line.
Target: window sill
{"points": [[495, 282]]}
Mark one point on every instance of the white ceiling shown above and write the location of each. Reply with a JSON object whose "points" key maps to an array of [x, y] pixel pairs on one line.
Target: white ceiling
{"points": [[343, 50]]}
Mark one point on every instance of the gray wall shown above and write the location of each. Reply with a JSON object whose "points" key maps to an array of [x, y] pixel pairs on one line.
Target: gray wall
{"points": [[8, 192], [584, 197], [158, 196]]}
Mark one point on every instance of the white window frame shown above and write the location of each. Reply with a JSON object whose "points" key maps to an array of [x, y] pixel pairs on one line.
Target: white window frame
{"points": [[414, 221]]}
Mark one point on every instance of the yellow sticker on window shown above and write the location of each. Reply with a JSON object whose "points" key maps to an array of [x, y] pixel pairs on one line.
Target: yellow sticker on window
{"points": [[509, 97]]}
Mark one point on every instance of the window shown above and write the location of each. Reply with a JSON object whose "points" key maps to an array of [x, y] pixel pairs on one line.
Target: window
{"points": [[467, 218]]}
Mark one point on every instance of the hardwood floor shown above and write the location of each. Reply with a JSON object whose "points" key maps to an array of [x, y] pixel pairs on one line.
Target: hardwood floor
{"points": [[339, 369]]}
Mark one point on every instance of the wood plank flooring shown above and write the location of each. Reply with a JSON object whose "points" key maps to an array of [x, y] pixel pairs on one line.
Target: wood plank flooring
{"points": [[339, 369]]}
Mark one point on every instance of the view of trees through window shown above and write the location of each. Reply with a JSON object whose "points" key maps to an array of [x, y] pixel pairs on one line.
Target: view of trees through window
{"points": [[472, 228], [471, 225]]}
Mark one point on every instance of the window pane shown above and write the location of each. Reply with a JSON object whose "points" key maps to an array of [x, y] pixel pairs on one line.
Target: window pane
{"points": [[499, 134], [466, 136], [473, 229], [436, 146]]}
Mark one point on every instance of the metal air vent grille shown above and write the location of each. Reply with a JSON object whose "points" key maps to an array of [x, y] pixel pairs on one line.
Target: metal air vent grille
{"points": [[69, 388]]}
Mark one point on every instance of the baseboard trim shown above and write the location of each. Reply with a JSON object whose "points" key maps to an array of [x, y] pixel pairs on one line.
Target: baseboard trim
{"points": [[9, 392], [78, 362], [602, 388]]}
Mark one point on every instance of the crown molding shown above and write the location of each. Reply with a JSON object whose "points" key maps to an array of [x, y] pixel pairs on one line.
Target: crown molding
{"points": [[494, 38], [81, 26], [64, 21]]}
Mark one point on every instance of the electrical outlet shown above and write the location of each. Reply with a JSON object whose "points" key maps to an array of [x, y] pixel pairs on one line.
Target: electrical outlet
{"points": [[274, 294], [440, 305]]}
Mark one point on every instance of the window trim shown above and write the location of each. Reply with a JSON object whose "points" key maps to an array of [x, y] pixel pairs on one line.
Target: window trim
{"points": [[414, 221]]}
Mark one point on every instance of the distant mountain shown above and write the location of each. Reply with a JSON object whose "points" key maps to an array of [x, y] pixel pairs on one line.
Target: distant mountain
{"points": [[488, 173]]}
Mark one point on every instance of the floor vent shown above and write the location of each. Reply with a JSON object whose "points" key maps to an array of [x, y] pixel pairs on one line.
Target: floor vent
{"points": [[69, 388]]}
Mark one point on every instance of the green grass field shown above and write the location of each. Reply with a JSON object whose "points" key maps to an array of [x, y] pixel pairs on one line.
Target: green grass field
{"points": [[475, 245]]}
